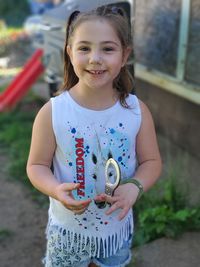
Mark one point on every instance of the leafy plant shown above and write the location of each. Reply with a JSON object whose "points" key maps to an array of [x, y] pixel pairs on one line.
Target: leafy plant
{"points": [[167, 214]]}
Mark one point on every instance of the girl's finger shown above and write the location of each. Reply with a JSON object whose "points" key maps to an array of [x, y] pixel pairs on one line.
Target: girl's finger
{"points": [[69, 201], [123, 213], [69, 186], [75, 209], [100, 198], [109, 199], [114, 207], [78, 212]]}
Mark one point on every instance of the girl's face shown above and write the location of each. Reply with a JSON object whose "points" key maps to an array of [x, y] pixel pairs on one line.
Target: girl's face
{"points": [[96, 54]]}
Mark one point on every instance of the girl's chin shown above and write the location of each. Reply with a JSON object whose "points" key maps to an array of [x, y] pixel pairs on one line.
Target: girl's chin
{"points": [[98, 84], [99, 87]]}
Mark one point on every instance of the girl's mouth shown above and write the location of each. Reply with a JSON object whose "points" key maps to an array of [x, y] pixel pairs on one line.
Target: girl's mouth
{"points": [[96, 72]]}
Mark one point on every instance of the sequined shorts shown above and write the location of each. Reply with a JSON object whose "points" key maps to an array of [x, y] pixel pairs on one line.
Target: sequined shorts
{"points": [[58, 256]]}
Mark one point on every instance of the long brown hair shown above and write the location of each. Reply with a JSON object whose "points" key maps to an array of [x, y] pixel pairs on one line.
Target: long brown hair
{"points": [[124, 82]]}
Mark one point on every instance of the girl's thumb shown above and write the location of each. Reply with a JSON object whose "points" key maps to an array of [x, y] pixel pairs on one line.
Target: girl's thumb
{"points": [[76, 186], [70, 186]]}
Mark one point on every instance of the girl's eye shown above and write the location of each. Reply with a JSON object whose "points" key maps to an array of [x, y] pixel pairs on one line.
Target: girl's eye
{"points": [[108, 49], [84, 48]]}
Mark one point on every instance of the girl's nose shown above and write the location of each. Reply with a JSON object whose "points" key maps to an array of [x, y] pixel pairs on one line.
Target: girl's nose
{"points": [[95, 58]]}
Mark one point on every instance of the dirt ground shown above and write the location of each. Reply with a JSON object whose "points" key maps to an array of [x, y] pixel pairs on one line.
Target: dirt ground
{"points": [[22, 221]]}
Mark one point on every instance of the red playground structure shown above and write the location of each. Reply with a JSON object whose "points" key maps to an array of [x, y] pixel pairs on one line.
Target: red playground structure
{"points": [[22, 82]]}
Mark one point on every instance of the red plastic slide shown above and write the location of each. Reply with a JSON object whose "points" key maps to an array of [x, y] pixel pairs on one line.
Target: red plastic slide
{"points": [[23, 81]]}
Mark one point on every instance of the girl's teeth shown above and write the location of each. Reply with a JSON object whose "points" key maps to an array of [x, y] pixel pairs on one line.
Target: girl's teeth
{"points": [[96, 72]]}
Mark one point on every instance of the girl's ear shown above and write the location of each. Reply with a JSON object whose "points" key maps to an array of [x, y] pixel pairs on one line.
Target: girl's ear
{"points": [[126, 54], [69, 52]]}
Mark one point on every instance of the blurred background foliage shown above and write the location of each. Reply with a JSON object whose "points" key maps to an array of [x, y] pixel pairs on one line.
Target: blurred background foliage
{"points": [[14, 12]]}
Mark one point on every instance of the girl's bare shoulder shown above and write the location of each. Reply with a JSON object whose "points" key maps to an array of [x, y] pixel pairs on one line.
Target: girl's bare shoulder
{"points": [[144, 108], [45, 112], [43, 118]]}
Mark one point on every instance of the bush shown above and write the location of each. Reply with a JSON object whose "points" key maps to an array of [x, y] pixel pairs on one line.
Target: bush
{"points": [[165, 214]]}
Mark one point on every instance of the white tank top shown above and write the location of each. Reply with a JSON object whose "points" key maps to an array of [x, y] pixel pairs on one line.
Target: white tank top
{"points": [[85, 140]]}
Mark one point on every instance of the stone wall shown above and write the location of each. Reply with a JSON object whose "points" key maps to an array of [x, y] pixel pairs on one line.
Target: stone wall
{"points": [[178, 127]]}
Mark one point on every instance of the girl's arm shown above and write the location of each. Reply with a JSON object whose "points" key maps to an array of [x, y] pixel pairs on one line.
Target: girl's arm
{"points": [[148, 170], [41, 153], [147, 150], [42, 149]]}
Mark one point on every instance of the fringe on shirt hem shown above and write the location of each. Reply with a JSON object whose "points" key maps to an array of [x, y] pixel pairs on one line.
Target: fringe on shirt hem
{"points": [[96, 247]]}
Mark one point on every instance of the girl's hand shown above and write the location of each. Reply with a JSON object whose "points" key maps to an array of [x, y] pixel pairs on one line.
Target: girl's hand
{"points": [[124, 198], [64, 195]]}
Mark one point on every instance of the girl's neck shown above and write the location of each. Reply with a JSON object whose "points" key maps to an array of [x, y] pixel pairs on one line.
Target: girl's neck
{"points": [[94, 99]]}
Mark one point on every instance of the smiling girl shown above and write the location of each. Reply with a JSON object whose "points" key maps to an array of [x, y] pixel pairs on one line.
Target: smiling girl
{"points": [[93, 119]]}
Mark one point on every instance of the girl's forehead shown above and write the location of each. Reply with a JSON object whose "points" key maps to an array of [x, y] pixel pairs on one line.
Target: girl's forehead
{"points": [[95, 28]]}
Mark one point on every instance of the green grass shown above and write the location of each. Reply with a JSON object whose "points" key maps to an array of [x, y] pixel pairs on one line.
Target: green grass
{"points": [[15, 137], [2, 88]]}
